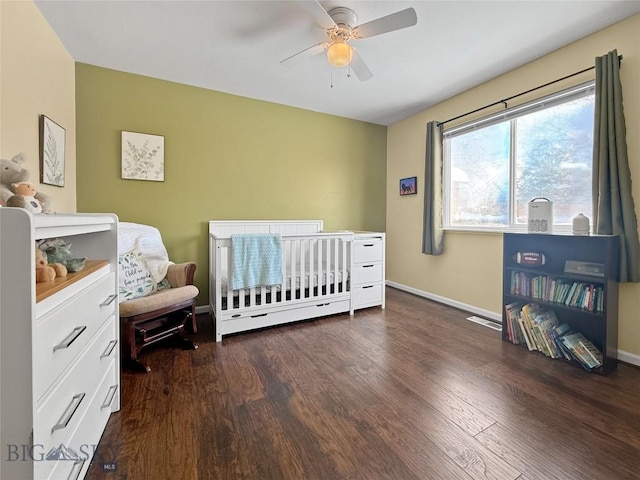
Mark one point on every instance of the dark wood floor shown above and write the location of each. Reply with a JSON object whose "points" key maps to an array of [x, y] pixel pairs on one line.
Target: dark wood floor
{"points": [[411, 392]]}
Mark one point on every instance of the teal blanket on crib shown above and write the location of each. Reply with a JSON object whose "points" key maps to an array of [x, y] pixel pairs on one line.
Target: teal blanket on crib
{"points": [[256, 260]]}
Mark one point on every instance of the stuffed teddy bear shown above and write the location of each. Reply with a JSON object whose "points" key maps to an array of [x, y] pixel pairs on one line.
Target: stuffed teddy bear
{"points": [[25, 197], [11, 171], [58, 251], [45, 271]]}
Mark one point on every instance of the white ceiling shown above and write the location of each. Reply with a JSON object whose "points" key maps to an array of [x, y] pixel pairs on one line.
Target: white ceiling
{"points": [[236, 46]]}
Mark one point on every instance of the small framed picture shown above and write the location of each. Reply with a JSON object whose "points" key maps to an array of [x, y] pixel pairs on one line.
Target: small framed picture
{"points": [[142, 156], [52, 145], [409, 186]]}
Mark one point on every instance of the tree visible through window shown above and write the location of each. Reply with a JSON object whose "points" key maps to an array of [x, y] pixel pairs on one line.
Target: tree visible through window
{"points": [[494, 167]]}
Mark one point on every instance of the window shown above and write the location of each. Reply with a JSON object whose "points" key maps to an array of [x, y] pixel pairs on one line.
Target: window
{"points": [[495, 166]]}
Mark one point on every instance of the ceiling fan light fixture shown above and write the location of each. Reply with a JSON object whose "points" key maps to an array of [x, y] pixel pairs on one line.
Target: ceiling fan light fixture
{"points": [[339, 54]]}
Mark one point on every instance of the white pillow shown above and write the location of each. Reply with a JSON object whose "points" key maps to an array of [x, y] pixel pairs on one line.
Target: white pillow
{"points": [[135, 277]]}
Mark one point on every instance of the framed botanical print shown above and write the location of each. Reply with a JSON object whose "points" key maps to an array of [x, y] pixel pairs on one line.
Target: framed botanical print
{"points": [[52, 151], [142, 156]]}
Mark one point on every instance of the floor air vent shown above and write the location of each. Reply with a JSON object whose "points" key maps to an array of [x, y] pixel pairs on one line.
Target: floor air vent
{"points": [[485, 322]]}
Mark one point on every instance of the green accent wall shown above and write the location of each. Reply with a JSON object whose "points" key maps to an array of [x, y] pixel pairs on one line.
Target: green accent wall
{"points": [[226, 157]]}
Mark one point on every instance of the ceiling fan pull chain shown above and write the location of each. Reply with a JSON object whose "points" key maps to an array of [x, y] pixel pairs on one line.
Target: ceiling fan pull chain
{"points": [[331, 76]]}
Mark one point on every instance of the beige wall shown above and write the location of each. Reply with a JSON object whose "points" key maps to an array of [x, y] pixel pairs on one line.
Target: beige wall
{"points": [[226, 157], [36, 77], [469, 271]]}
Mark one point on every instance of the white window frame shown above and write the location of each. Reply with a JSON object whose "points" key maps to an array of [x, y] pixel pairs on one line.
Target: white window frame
{"points": [[512, 113]]}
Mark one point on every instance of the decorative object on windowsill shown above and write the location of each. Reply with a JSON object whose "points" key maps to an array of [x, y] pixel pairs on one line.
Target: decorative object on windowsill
{"points": [[581, 225], [540, 219], [52, 151], [11, 171], [409, 186], [142, 156]]}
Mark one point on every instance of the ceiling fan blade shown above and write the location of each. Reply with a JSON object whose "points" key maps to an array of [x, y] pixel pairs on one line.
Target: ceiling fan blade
{"points": [[395, 21], [318, 12], [359, 67], [307, 52]]}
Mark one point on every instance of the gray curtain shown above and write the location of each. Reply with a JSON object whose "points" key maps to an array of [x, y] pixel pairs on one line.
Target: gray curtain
{"points": [[432, 236], [613, 207]]}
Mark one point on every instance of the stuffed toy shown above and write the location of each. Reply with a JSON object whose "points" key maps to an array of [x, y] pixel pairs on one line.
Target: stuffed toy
{"points": [[25, 197], [58, 251], [45, 271], [11, 171]]}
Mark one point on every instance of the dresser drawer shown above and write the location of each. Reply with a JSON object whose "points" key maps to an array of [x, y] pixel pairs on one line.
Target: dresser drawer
{"points": [[367, 295], [368, 251], [59, 412], [65, 331], [86, 437], [367, 273]]}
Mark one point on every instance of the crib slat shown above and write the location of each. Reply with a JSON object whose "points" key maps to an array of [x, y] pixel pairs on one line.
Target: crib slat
{"points": [[293, 260], [304, 248], [286, 252], [321, 243], [312, 251], [336, 244]]}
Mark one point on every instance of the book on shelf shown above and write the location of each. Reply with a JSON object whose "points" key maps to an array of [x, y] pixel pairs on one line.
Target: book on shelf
{"points": [[587, 296], [559, 332], [514, 330], [584, 352], [539, 329]]}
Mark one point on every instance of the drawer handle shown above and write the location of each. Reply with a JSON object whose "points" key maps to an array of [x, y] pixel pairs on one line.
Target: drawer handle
{"points": [[111, 394], [77, 474], [367, 266], [68, 413], [260, 315], [112, 344], [368, 245], [323, 305], [236, 315], [368, 286], [75, 333], [109, 300]]}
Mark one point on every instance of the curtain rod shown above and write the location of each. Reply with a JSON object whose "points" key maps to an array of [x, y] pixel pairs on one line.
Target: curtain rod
{"points": [[504, 101]]}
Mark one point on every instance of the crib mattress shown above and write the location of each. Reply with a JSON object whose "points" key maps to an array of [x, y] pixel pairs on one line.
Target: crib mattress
{"points": [[300, 282]]}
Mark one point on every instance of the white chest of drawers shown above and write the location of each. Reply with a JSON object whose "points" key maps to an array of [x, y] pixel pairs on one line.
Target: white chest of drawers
{"points": [[59, 352], [368, 270]]}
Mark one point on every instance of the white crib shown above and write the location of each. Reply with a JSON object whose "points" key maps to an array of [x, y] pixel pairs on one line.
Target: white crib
{"points": [[315, 271]]}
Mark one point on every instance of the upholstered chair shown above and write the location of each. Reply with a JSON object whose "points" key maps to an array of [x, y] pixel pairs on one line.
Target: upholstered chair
{"points": [[157, 296]]}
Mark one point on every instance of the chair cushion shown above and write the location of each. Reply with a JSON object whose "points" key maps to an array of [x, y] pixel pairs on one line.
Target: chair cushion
{"points": [[163, 298]]}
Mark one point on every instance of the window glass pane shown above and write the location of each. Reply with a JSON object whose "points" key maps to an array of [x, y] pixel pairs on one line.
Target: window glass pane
{"points": [[553, 159], [479, 177]]}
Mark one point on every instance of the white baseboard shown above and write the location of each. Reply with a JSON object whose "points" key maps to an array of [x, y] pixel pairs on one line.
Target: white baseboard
{"points": [[623, 356], [202, 309], [630, 358], [447, 301]]}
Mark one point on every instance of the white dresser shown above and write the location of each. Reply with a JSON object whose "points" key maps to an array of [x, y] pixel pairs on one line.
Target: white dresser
{"points": [[368, 274], [59, 352]]}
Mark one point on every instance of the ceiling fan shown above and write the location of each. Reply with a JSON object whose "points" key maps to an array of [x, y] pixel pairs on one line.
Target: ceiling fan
{"points": [[340, 23]]}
